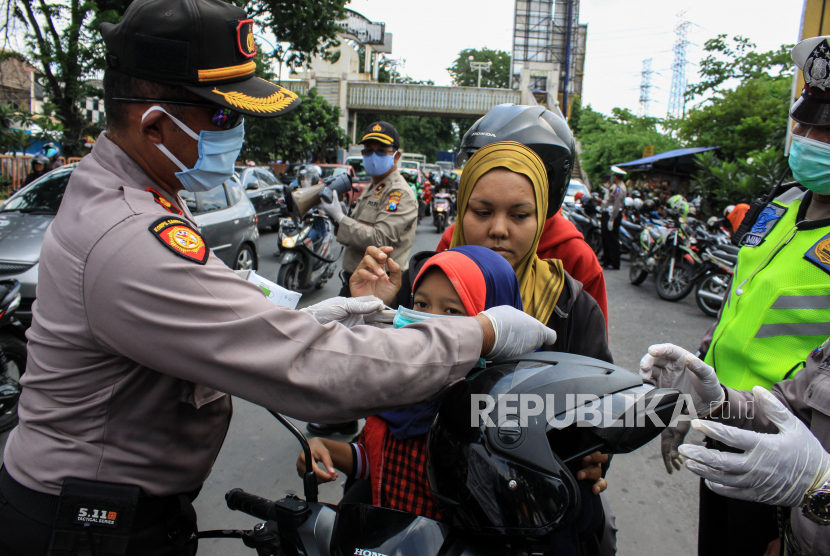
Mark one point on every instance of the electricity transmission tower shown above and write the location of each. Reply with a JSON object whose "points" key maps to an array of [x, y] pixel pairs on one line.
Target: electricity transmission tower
{"points": [[645, 86], [677, 100]]}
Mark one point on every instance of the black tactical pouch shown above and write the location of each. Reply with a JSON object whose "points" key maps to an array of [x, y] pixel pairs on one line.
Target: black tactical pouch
{"points": [[94, 519]]}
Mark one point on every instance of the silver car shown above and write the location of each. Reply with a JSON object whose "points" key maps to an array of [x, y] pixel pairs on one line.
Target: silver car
{"points": [[225, 216]]}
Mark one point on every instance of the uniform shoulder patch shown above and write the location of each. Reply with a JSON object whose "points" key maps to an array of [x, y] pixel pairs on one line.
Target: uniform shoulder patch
{"points": [[168, 206], [180, 237], [394, 201], [820, 348], [767, 220], [819, 254], [379, 191]]}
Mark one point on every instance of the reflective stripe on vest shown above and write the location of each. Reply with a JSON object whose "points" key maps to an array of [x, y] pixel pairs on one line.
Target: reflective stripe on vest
{"points": [[778, 308]]}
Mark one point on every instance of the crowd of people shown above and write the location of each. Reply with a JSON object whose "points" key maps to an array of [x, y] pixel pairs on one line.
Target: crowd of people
{"points": [[136, 346]]}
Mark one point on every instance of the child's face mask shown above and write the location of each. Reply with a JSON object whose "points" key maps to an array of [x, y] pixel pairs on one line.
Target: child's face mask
{"points": [[406, 316]]}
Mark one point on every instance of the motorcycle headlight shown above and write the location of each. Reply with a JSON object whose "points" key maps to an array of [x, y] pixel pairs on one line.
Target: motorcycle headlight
{"points": [[289, 241]]}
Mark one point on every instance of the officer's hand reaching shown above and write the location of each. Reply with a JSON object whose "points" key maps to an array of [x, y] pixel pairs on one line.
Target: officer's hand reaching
{"points": [[333, 209], [516, 333], [674, 367], [348, 311], [775, 469], [370, 277]]}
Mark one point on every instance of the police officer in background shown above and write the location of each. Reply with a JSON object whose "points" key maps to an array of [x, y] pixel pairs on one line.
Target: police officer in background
{"points": [[611, 219], [139, 337], [776, 313], [386, 213]]}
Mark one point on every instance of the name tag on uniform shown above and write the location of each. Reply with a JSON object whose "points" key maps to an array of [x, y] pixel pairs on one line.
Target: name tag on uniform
{"points": [[765, 223], [819, 254]]}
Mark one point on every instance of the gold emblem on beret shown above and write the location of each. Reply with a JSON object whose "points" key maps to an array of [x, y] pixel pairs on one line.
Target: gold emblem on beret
{"points": [[377, 128], [273, 103]]}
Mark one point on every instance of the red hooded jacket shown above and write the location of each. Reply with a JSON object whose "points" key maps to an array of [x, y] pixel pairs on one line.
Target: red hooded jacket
{"points": [[561, 240]]}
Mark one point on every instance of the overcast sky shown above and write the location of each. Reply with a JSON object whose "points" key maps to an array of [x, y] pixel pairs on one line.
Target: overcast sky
{"points": [[621, 34]]}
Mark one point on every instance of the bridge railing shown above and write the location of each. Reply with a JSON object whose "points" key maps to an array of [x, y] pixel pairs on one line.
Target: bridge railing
{"points": [[397, 97]]}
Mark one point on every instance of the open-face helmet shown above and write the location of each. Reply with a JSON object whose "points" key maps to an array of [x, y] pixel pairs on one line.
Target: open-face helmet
{"points": [[510, 474], [544, 132]]}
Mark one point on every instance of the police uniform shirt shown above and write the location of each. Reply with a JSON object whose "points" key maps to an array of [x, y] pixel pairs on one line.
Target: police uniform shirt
{"points": [[135, 345], [385, 214]]}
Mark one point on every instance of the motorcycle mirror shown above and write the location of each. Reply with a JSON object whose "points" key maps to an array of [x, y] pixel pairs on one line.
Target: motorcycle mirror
{"points": [[309, 479]]}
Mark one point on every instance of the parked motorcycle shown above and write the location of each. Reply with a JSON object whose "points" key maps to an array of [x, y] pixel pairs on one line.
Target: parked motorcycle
{"points": [[585, 217], [442, 211], [307, 242], [12, 353], [496, 504], [713, 283]]}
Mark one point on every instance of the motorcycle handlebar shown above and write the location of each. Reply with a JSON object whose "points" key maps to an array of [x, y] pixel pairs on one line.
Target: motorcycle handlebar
{"points": [[240, 501]]}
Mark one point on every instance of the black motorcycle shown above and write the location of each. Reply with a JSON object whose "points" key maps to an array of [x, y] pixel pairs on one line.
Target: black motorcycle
{"points": [[585, 217], [492, 504], [12, 353], [713, 282], [307, 245]]}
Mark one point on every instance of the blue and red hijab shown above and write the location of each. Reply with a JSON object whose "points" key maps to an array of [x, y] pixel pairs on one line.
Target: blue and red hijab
{"points": [[482, 279]]}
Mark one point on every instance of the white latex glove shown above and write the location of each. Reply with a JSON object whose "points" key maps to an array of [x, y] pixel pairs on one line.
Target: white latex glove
{"points": [[516, 333], [348, 311], [333, 209], [775, 469], [670, 440], [674, 367]]}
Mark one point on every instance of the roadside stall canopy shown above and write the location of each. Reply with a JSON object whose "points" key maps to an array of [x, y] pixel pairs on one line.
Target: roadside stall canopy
{"points": [[677, 162]]}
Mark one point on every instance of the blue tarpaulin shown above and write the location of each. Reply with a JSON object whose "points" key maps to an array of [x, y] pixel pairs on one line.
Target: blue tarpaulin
{"points": [[678, 154]]}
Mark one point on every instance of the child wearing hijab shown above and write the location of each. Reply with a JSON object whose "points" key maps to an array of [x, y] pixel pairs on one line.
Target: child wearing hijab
{"points": [[391, 450]]}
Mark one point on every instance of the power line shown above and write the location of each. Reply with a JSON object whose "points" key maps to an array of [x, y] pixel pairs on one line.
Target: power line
{"points": [[677, 96], [645, 86]]}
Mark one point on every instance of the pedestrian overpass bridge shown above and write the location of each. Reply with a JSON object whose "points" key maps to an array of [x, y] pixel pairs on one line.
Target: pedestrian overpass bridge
{"points": [[354, 97]]}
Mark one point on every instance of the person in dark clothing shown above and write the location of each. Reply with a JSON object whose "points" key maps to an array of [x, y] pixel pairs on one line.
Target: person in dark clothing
{"points": [[40, 165]]}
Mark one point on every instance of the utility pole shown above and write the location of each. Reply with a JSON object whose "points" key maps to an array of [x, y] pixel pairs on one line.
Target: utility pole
{"points": [[479, 66], [645, 86], [677, 97]]}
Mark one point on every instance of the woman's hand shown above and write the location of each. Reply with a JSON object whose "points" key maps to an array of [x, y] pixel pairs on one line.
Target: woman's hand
{"points": [[320, 453], [592, 471], [370, 277]]}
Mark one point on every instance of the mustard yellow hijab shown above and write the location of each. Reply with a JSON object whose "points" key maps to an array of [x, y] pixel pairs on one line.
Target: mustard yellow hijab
{"points": [[540, 281]]}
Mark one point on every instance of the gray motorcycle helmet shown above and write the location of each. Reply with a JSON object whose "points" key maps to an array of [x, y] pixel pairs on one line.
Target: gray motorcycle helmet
{"points": [[543, 131]]}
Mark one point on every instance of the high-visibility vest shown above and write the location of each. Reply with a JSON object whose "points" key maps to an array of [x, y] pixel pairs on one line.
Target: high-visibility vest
{"points": [[778, 308]]}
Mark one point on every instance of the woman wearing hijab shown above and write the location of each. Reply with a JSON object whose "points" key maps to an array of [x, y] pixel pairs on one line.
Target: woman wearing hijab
{"points": [[502, 203]]}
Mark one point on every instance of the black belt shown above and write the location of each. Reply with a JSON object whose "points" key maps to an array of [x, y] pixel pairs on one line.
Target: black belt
{"points": [[43, 508]]}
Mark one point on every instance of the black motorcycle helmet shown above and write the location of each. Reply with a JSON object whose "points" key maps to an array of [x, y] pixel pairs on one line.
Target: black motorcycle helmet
{"points": [[506, 477], [546, 133], [41, 159]]}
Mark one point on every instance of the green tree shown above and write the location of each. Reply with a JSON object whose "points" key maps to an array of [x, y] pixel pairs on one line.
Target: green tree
{"points": [[744, 118], [498, 76], [723, 183], [310, 130], [621, 137]]}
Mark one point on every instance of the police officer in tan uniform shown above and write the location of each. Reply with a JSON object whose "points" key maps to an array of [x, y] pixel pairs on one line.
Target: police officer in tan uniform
{"points": [[139, 336], [387, 211]]}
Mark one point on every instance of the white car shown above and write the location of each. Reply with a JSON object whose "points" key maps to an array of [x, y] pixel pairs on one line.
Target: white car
{"points": [[573, 188]]}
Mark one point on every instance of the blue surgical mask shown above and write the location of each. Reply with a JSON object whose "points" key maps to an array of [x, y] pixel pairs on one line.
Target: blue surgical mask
{"points": [[810, 163], [406, 316], [378, 163], [218, 151]]}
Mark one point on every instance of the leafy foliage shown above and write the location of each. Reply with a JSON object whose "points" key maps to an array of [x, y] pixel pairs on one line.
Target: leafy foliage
{"points": [[728, 183], [608, 140], [498, 76], [742, 62], [309, 131], [309, 27], [13, 138]]}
